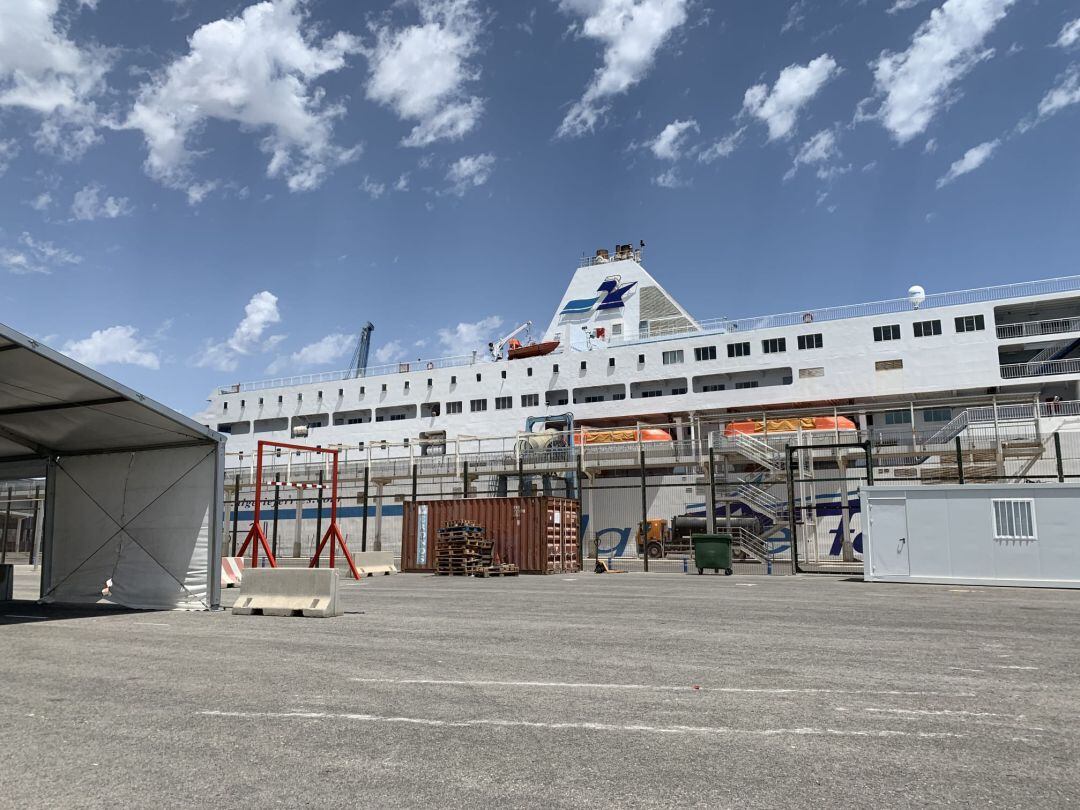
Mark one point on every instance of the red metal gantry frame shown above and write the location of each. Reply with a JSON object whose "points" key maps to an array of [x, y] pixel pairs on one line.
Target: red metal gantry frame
{"points": [[257, 537]]}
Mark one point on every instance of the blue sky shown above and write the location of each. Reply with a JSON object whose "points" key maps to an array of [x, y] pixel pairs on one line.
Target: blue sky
{"points": [[193, 193]]}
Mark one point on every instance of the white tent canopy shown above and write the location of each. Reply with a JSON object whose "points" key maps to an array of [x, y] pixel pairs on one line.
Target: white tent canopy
{"points": [[133, 490]]}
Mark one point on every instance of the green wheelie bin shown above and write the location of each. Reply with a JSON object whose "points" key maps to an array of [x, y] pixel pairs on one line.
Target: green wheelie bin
{"points": [[712, 551]]}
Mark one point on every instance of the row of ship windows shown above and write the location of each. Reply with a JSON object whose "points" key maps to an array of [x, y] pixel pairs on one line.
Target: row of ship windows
{"points": [[904, 417], [614, 393], [964, 323], [532, 400], [740, 349], [892, 418], [701, 353]]}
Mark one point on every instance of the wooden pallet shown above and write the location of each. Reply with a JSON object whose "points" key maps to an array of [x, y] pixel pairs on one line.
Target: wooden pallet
{"points": [[504, 570]]}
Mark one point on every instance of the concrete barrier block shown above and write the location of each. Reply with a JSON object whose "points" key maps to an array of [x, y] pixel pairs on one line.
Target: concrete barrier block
{"points": [[369, 563], [232, 571], [309, 592]]}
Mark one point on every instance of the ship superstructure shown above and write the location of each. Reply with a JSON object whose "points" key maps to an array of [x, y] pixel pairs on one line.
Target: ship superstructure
{"points": [[620, 351]]}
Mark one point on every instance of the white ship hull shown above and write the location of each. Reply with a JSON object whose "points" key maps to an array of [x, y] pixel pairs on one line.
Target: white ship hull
{"points": [[628, 353]]}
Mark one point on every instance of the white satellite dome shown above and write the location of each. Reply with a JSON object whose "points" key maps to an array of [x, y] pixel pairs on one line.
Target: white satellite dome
{"points": [[916, 295]]}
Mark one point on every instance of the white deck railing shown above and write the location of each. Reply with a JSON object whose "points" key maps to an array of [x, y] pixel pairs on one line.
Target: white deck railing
{"points": [[1054, 326], [714, 326], [1044, 368]]}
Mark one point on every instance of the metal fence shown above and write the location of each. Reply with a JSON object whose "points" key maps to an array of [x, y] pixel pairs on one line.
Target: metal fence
{"points": [[791, 502]]}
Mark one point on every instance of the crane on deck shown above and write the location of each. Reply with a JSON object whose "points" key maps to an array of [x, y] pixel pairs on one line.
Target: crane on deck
{"points": [[360, 353], [496, 348]]}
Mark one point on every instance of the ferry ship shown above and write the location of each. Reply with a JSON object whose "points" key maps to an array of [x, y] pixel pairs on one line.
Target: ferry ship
{"points": [[621, 352]]}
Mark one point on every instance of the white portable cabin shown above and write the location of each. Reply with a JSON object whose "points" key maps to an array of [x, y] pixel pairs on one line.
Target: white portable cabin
{"points": [[133, 490], [1024, 535]]}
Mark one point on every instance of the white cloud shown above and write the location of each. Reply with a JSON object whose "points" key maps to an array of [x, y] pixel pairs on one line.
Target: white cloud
{"points": [[631, 32], [389, 352], [820, 149], [421, 71], [722, 148], [35, 256], [260, 313], [116, 344], [930, 147], [88, 205], [197, 192], [796, 16], [9, 150], [402, 183], [670, 179], [322, 352], [973, 158], [669, 144], [256, 70], [45, 72], [468, 337], [830, 173], [1070, 34], [42, 201], [917, 83], [1064, 93], [372, 188], [903, 5], [468, 172], [779, 107]]}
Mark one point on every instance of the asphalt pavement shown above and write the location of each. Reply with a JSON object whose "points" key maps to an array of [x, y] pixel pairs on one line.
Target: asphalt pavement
{"points": [[626, 690]]}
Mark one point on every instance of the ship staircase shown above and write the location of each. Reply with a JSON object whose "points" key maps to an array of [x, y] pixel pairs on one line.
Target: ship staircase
{"points": [[755, 492]]}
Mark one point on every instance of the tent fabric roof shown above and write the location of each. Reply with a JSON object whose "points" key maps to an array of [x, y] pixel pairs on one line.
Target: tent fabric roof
{"points": [[52, 405]]}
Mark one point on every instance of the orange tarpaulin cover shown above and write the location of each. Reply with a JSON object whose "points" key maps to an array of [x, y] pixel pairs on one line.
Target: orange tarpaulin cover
{"points": [[624, 435], [790, 425]]}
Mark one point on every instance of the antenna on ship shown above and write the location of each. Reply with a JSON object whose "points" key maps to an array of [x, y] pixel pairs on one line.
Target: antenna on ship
{"points": [[916, 295], [360, 354]]}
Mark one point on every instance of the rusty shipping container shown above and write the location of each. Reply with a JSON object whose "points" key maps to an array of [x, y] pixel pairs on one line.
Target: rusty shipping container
{"points": [[539, 535]]}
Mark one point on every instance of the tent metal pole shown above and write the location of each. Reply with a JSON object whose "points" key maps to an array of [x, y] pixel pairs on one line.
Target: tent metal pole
{"points": [[7, 529], [33, 528], [48, 522], [217, 526]]}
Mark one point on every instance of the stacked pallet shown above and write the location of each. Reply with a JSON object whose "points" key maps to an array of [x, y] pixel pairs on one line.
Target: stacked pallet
{"points": [[464, 550]]}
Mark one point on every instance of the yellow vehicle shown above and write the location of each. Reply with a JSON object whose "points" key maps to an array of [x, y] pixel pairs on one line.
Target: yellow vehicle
{"points": [[657, 537]]}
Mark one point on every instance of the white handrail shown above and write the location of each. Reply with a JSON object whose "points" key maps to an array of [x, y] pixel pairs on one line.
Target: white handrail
{"points": [[1052, 326], [1042, 368]]}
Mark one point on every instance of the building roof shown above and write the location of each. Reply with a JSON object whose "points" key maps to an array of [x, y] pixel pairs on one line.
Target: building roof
{"points": [[51, 405]]}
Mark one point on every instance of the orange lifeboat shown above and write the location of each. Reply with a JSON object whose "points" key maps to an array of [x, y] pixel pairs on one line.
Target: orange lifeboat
{"points": [[620, 435], [791, 425]]}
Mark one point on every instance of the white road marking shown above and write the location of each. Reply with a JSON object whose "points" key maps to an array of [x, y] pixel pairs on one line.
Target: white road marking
{"points": [[1008, 666], [943, 713], [607, 727], [644, 687]]}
